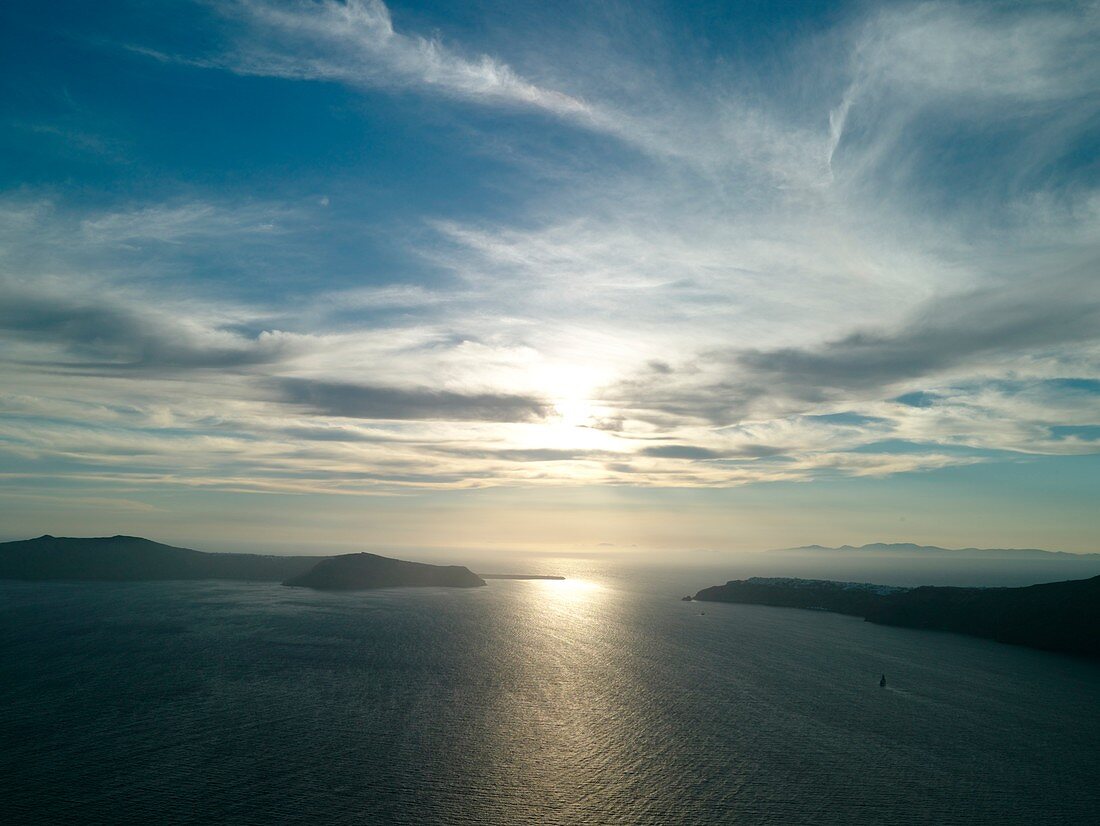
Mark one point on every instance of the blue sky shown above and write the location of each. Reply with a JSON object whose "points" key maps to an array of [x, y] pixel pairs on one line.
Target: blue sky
{"points": [[277, 270]]}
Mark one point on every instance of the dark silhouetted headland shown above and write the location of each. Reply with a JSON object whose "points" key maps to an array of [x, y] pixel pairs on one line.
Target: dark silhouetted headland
{"points": [[354, 572], [824, 595], [131, 558], [1056, 616]]}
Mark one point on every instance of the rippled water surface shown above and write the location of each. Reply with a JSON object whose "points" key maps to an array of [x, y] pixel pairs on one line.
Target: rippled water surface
{"points": [[595, 700]]}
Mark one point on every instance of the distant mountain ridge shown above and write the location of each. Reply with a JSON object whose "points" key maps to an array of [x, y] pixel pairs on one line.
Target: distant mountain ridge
{"points": [[1055, 616], [912, 548]]}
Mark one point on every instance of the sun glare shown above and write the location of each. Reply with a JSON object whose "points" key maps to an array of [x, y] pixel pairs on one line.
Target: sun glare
{"points": [[573, 423], [568, 588], [574, 412]]}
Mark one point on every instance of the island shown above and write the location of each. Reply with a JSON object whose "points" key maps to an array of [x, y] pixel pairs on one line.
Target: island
{"points": [[356, 572], [1054, 616], [522, 576]]}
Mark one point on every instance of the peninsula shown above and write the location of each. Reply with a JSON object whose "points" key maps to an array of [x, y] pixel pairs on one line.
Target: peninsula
{"points": [[1055, 616]]}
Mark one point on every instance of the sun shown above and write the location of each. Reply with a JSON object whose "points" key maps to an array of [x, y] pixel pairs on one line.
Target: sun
{"points": [[574, 411]]}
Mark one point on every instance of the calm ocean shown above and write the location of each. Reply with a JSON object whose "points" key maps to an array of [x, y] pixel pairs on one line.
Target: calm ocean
{"points": [[599, 700]]}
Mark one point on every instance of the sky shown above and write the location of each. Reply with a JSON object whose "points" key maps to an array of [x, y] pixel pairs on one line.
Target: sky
{"points": [[570, 277]]}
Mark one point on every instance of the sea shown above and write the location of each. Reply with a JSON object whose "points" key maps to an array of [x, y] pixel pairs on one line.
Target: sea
{"points": [[600, 699]]}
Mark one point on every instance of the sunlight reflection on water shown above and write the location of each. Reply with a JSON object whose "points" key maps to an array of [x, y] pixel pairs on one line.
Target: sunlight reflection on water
{"points": [[537, 701]]}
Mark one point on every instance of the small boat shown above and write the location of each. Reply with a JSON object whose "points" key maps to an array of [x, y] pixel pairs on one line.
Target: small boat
{"points": [[882, 682]]}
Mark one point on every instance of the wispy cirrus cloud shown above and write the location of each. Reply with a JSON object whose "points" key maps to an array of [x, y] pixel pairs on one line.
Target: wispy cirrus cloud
{"points": [[355, 42], [187, 221]]}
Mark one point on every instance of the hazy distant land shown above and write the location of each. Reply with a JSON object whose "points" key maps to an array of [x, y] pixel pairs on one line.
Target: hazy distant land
{"points": [[909, 548], [1055, 616]]}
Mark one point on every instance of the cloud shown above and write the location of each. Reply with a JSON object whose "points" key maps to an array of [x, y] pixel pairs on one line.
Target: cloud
{"points": [[332, 434], [360, 401], [968, 109], [881, 261], [355, 42], [701, 453], [528, 455], [117, 332], [976, 335], [958, 49], [183, 222], [946, 333]]}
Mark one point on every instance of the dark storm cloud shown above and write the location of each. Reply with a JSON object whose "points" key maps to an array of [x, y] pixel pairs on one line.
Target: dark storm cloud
{"points": [[359, 401]]}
